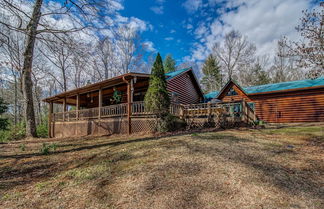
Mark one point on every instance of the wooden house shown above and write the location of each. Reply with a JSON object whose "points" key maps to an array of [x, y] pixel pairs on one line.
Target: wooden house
{"points": [[115, 105], [294, 101]]}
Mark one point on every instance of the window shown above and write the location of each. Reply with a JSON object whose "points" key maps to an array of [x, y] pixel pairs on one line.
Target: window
{"points": [[231, 92], [174, 97], [251, 105], [237, 108]]}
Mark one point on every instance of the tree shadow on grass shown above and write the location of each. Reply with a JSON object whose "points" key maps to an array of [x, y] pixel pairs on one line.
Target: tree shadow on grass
{"points": [[89, 147], [292, 180], [35, 171]]}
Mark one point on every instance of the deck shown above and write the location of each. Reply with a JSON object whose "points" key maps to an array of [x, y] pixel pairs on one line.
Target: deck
{"points": [[114, 118]]}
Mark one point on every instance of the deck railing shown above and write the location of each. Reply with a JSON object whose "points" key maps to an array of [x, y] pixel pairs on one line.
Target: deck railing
{"points": [[230, 109]]}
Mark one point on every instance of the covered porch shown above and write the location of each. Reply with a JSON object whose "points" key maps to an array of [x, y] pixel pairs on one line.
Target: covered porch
{"points": [[111, 98]]}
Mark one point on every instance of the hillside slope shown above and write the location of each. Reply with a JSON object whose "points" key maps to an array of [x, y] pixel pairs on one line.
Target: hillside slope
{"points": [[268, 168]]}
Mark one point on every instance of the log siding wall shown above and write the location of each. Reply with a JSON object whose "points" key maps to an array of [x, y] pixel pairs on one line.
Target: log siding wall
{"points": [[283, 107], [183, 85], [302, 106]]}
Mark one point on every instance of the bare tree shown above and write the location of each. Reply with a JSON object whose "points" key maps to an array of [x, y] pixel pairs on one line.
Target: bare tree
{"points": [[128, 48], [79, 64], [235, 51], [310, 50], [284, 67], [106, 57], [59, 53], [34, 24]]}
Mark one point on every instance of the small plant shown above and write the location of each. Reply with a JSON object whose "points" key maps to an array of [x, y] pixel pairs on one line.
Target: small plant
{"points": [[45, 149], [194, 134], [22, 147]]}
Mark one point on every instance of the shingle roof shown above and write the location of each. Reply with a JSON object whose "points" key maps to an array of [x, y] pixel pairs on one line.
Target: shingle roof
{"points": [[173, 74], [276, 87]]}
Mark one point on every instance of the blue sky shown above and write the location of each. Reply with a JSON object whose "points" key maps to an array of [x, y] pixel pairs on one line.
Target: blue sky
{"points": [[168, 18], [188, 29]]}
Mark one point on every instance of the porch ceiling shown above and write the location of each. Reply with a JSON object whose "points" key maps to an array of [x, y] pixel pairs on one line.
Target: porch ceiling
{"points": [[115, 81]]}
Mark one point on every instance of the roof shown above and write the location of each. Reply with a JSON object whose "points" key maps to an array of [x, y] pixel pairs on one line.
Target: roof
{"points": [[173, 74], [211, 95], [285, 86], [95, 86], [111, 82], [274, 87]]}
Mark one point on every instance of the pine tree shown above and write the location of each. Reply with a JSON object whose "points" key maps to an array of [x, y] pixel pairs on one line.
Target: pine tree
{"points": [[259, 76], [156, 98], [3, 121], [169, 64], [212, 79]]}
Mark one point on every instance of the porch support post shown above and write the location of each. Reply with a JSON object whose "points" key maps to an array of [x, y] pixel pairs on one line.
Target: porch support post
{"points": [[129, 106], [244, 111], [77, 106], [100, 103], [64, 108], [50, 113]]}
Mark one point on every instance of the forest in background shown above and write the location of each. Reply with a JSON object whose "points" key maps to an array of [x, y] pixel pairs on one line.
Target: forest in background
{"points": [[47, 48]]}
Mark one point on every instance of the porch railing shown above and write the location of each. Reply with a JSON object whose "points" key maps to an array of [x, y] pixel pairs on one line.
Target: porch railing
{"points": [[231, 109]]}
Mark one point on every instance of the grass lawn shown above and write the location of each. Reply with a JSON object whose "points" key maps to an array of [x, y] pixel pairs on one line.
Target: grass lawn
{"points": [[266, 168]]}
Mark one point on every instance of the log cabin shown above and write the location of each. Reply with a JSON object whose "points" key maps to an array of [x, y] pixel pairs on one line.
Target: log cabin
{"points": [[286, 102], [115, 105]]}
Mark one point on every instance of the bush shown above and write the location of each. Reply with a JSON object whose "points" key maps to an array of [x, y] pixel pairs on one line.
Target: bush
{"points": [[45, 149], [170, 123], [42, 130], [13, 133]]}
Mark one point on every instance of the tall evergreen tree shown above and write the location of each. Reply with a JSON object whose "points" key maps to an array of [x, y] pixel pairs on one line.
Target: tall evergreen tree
{"points": [[3, 121], [212, 79], [156, 98], [169, 64], [259, 76]]}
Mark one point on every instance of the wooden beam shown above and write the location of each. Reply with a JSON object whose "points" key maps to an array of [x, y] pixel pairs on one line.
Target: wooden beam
{"points": [[129, 106], [77, 106], [64, 108], [50, 113], [100, 103]]}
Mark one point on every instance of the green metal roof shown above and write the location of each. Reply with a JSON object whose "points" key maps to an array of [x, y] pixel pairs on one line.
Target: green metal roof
{"points": [[275, 87], [285, 86], [211, 95], [173, 74]]}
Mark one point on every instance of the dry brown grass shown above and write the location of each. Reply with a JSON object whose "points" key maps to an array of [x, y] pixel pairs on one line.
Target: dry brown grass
{"points": [[280, 167]]}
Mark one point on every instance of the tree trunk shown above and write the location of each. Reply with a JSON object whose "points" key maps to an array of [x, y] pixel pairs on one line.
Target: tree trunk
{"points": [[27, 82], [16, 101]]}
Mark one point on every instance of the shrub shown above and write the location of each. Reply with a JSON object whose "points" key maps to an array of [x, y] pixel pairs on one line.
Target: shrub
{"points": [[42, 130], [13, 133], [170, 123], [45, 149]]}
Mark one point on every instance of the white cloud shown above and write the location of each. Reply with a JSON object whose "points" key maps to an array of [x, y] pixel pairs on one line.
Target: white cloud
{"points": [[168, 38], [173, 31], [192, 5], [149, 46], [262, 21], [157, 9], [138, 24]]}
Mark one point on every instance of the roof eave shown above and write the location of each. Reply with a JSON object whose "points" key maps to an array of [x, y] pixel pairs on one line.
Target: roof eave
{"points": [[94, 86], [286, 90]]}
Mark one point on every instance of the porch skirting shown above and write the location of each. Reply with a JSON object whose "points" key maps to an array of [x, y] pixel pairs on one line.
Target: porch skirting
{"points": [[101, 127]]}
